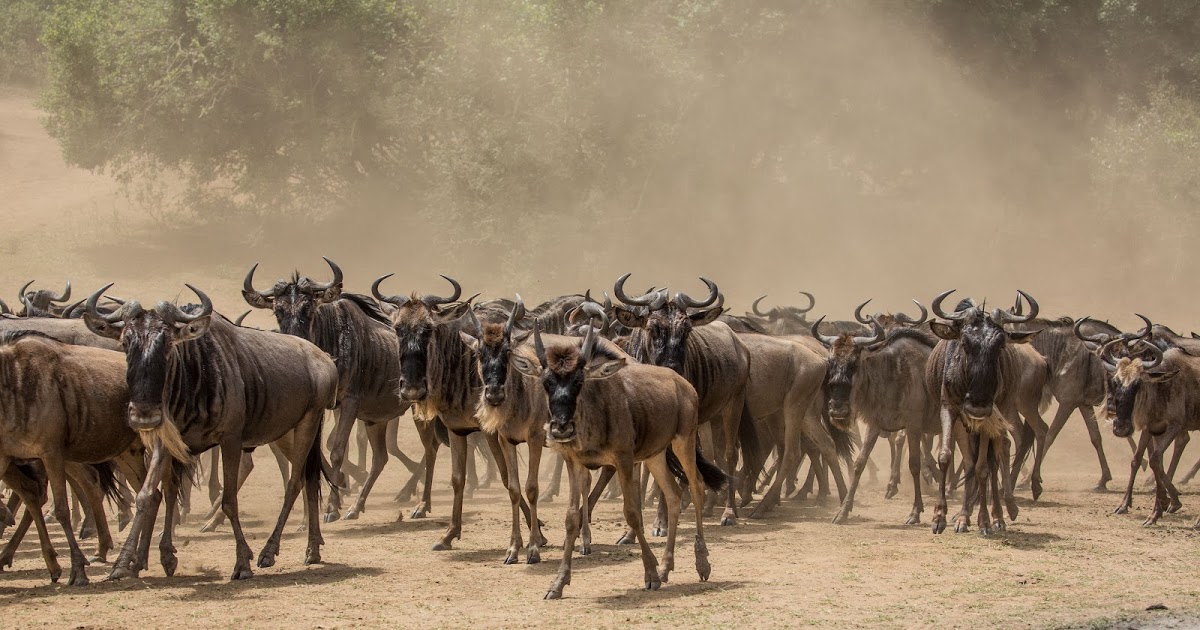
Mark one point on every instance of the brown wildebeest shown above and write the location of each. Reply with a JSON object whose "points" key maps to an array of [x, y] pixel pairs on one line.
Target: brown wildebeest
{"points": [[439, 378], [881, 381], [358, 335], [1160, 396], [975, 371], [72, 331], [60, 403], [682, 334], [197, 381], [607, 411]]}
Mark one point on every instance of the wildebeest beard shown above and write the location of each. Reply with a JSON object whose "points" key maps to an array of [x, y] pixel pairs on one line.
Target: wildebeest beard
{"points": [[1123, 387], [843, 364]]}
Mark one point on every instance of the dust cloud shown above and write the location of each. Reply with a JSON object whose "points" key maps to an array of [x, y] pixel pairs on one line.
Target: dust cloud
{"points": [[852, 159]]}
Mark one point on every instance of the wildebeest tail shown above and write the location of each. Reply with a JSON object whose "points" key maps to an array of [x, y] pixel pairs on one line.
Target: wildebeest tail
{"points": [[106, 472], [439, 429], [714, 477], [750, 443], [315, 465], [183, 477]]}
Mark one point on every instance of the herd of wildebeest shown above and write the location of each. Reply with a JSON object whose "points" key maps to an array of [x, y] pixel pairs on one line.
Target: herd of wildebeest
{"points": [[120, 401]]}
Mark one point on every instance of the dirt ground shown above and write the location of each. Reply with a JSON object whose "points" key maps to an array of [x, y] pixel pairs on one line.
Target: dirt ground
{"points": [[1065, 562]]}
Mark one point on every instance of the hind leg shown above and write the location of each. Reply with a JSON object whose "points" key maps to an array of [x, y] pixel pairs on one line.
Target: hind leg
{"points": [[686, 445], [430, 442], [304, 438], [377, 437], [574, 522], [56, 475], [671, 499]]}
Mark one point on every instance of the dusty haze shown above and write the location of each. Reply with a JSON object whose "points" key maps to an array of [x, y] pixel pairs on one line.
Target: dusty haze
{"points": [[985, 198]]}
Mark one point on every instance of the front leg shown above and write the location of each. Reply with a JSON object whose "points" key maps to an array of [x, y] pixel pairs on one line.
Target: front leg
{"points": [[129, 560], [459, 450], [166, 544], [377, 439], [633, 517], [430, 442], [339, 443], [536, 539], [573, 523], [860, 464], [1135, 463], [513, 485], [944, 462], [231, 463], [1160, 475]]}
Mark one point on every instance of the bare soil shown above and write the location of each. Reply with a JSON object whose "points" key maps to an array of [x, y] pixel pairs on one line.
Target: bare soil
{"points": [[1066, 562]]}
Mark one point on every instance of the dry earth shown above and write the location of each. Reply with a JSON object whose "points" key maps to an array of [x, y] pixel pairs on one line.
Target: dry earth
{"points": [[1065, 562]]}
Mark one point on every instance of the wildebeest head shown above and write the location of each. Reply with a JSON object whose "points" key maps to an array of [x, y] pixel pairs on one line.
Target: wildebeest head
{"points": [[295, 301], [845, 353], [415, 320], [977, 340], [667, 322], [783, 317], [149, 337], [41, 303], [564, 371], [1126, 377], [891, 320], [493, 349]]}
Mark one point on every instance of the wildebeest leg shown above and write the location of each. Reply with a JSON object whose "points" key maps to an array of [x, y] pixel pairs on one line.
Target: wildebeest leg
{"points": [[357, 470], [606, 475], [791, 444], [166, 544], [94, 500], [429, 438], [1138, 454], [896, 442], [574, 522], [460, 450], [1160, 444], [393, 446], [1093, 429], [377, 437], [18, 534], [536, 539], [493, 447], [671, 494], [33, 495], [493, 470], [214, 482], [281, 460], [860, 464], [218, 514], [8, 511], [983, 479], [731, 419], [472, 473], [1181, 442], [633, 517], [970, 445], [515, 544], [1010, 500], [914, 470], [339, 441], [944, 464], [129, 561], [555, 481], [231, 463], [1033, 418], [995, 477], [585, 548], [305, 437], [1186, 478], [86, 476], [56, 476]]}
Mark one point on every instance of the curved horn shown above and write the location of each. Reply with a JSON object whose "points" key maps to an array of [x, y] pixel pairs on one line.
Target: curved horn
{"points": [[21, 295], [937, 308], [396, 300], [905, 319], [1011, 317], [517, 314], [67, 311], [1099, 340], [1154, 350], [4, 310], [538, 347], [880, 335], [593, 312], [337, 276], [64, 296], [1106, 356], [1144, 333], [111, 318], [1017, 308], [858, 316], [812, 301], [206, 307], [248, 285], [434, 300], [607, 302], [754, 307], [683, 300], [241, 318], [816, 333], [619, 291]]}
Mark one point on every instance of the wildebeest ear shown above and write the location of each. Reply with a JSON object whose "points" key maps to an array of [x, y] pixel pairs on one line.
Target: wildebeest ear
{"points": [[629, 318], [706, 317], [525, 366], [451, 312], [606, 369], [256, 299], [945, 331], [101, 327], [521, 335], [1016, 336], [193, 329], [470, 340], [332, 293]]}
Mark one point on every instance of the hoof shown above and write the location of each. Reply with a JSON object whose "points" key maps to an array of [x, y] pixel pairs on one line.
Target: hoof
{"points": [[208, 528], [1100, 487], [243, 573], [653, 585], [546, 498], [626, 540], [999, 526], [658, 531], [728, 521], [313, 556], [840, 518], [939, 525], [87, 533], [1174, 507], [418, 513], [121, 573], [535, 557], [1037, 491], [890, 492], [913, 519], [169, 564], [266, 560], [442, 546], [1121, 509], [553, 595], [78, 577], [351, 516], [1013, 510], [585, 550], [97, 560], [330, 517], [961, 528], [984, 532], [511, 558]]}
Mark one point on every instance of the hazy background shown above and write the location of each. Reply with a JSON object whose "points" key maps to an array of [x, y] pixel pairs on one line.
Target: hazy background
{"points": [[852, 149]]}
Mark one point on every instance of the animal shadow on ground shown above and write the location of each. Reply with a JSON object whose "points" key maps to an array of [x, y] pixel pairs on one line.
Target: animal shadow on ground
{"points": [[687, 586], [1019, 539], [357, 529]]}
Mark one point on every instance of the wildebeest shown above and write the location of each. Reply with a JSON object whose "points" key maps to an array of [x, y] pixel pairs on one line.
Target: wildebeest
{"points": [[880, 379], [682, 334], [197, 381], [71, 331], [43, 303], [608, 411], [60, 403], [439, 378], [358, 335], [1159, 395], [974, 372]]}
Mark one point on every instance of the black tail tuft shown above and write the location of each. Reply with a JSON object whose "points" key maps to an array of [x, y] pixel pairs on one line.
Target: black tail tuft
{"points": [[753, 458], [714, 478], [106, 472], [315, 465], [184, 476], [443, 434]]}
